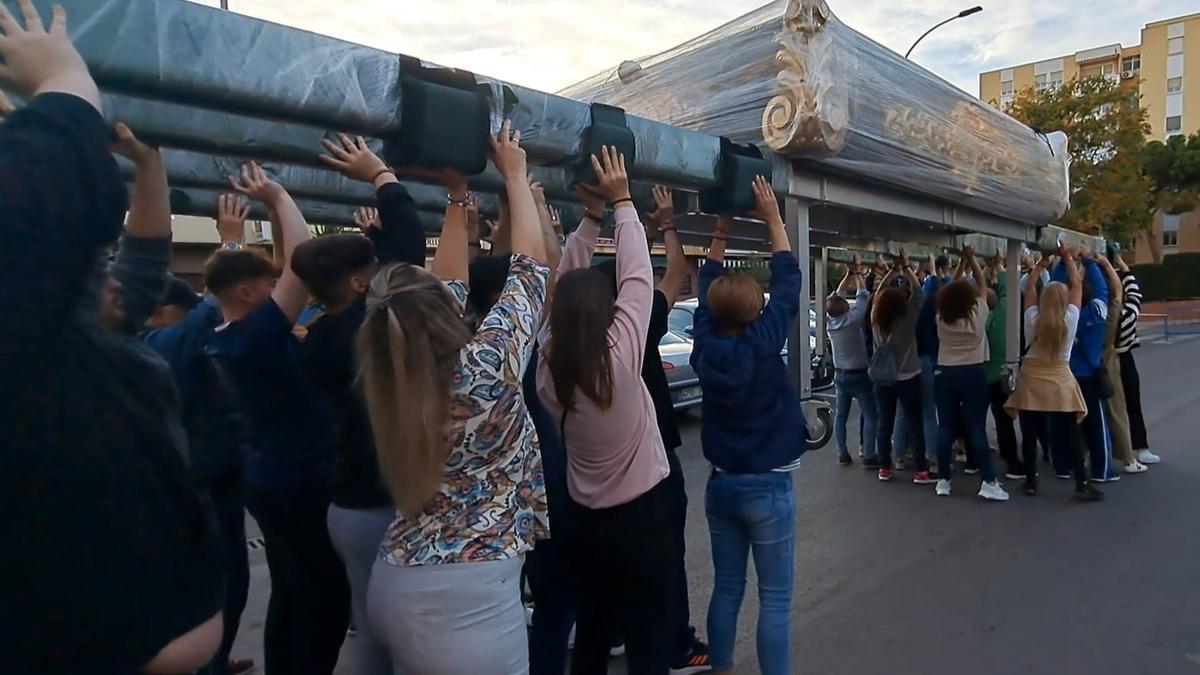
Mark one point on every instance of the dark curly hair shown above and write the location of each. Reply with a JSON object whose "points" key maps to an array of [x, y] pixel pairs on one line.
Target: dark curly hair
{"points": [[956, 301]]}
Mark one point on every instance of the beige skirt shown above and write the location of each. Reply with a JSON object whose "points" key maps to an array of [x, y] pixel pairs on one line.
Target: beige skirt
{"points": [[1047, 386]]}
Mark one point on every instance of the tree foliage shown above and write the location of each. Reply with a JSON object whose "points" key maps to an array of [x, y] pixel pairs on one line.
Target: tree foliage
{"points": [[1110, 194], [1173, 169]]}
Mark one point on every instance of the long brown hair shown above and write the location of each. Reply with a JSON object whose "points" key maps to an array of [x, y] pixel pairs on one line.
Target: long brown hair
{"points": [[1050, 338], [408, 346], [578, 353], [956, 301], [890, 307]]}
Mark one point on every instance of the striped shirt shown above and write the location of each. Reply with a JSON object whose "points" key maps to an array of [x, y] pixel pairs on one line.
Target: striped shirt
{"points": [[1127, 337]]}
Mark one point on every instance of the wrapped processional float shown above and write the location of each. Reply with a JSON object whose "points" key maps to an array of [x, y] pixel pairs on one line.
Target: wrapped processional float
{"points": [[792, 77]]}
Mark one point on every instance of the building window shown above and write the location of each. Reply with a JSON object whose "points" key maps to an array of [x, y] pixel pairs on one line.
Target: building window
{"points": [[1131, 64], [1170, 227], [1175, 124], [1006, 88], [1047, 81], [1175, 46], [1174, 84]]}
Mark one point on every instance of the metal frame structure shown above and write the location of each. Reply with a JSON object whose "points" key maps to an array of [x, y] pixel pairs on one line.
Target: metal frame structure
{"points": [[281, 90]]}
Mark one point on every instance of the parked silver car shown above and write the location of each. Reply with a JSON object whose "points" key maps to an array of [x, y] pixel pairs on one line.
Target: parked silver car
{"points": [[676, 353]]}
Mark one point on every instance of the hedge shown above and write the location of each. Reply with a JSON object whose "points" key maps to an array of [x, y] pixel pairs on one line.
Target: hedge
{"points": [[1175, 279]]}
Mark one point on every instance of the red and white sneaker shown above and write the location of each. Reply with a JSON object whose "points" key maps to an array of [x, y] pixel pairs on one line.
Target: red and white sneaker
{"points": [[885, 475], [924, 478]]}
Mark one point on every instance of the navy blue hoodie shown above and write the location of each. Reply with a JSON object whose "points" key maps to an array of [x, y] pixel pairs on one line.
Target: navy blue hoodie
{"points": [[752, 418], [1088, 350]]}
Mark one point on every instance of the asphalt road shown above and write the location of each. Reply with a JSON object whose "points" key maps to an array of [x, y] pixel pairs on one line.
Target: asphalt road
{"points": [[891, 579]]}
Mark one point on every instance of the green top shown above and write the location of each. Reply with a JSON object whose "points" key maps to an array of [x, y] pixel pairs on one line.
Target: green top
{"points": [[997, 332]]}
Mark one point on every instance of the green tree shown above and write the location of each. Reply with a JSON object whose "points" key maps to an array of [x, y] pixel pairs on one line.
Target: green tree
{"points": [[1173, 169], [1110, 194]]}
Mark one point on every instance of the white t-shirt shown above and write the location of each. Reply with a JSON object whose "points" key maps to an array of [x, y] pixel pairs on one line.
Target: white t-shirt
{"points": [[964, 342], [1031, 321]]}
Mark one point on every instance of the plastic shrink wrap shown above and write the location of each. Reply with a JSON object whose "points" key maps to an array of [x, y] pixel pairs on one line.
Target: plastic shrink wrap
{"points": [[794, 78]]}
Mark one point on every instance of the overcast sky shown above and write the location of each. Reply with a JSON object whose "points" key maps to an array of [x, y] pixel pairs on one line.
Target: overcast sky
{"points": [[548, 44]]}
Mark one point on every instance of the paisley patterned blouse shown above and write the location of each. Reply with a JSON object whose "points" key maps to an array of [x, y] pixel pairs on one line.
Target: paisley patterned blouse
{"points": [[492, 503]]}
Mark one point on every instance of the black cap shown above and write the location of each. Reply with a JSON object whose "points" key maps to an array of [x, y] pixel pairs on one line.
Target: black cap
{"points": [[179, 293]]}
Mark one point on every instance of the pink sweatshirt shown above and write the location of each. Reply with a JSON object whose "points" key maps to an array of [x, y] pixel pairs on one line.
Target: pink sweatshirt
{"points": [[613, 456]]}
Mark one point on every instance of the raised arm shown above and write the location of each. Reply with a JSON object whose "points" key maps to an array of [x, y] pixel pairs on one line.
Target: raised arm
{"points": [[976, 271], [1132, 291], [1031, 289], [581, 244], [677, 264], [551, 223], [451, 261], [769, 332], [290, 293], [710, 271], [909, 275], [1074, 279], [509, 158], [400, 237], [144, 253], [635, 276], [63, 196]]}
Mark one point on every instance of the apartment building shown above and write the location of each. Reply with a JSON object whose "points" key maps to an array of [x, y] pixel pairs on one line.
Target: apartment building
{"points": [[1164, 69]]}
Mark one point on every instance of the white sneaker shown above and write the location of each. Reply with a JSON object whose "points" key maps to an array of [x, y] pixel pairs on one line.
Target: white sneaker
{"points": [[943, 488], [619, 650], [1136, 467], [1147, 457], [528, 617], [993, 492]]}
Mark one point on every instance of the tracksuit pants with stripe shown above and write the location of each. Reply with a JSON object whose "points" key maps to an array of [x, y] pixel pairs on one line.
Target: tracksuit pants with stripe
{"points": [[1096, 431]]}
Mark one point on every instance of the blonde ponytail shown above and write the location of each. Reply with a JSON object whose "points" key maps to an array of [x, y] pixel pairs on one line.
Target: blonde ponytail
{"points": [[1051, 337], [406, 368]]}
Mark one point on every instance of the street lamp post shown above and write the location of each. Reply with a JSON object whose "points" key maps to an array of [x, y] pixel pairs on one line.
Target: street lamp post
{"points": [[961, 15]]}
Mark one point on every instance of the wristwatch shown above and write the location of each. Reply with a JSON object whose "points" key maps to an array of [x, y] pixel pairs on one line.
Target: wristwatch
{"points": [[462, 203], [232, 245]]}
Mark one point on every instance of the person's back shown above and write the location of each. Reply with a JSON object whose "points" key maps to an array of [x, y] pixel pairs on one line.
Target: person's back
{"points": [[94, 489], [752, 416]]}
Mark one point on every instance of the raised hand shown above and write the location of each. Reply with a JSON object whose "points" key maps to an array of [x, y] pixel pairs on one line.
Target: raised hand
{"points": [[664, 206], [612, 180], [767, 208], [367, 219], [969, 253], [473, 219], [37, 61], [255, 184], [903, 259], [594, 203], [555, 220], [507, 153], [232, 212], [130, 147], [353, 159]]}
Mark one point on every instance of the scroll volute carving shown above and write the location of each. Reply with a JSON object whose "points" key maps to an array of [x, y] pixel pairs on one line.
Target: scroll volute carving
{"points": [[811, 114]]}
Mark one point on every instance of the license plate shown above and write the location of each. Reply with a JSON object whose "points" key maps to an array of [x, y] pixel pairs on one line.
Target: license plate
{"points": [[688, 394]]}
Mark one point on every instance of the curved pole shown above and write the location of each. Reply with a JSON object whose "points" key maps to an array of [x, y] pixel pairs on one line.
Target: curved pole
{"points": [[960, 15]]}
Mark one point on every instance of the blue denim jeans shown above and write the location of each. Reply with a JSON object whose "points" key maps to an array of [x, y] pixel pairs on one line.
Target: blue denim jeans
{"points": [[751, 511], [929, 418], [855, 387], [963, 398]]}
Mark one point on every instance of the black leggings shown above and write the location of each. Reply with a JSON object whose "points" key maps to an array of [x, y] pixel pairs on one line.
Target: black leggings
{"points": [[1065, 440], [1131, 381]]}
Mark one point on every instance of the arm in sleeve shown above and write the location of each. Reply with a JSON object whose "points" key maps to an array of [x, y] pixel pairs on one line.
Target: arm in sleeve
{"points": [[1133, 297], [64, 200], [635, 292], [401, 237], [581, 245], [769, 331], [858, 311], [141, 269], [509, 327], [187, 338], [702, 323]]}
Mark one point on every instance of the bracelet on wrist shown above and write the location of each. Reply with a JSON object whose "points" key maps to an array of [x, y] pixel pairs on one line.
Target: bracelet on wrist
{"points": [[462, 202], [623, 199], [381, 172], [599, 220], [670, 228], [720, 237], [232, 245]]}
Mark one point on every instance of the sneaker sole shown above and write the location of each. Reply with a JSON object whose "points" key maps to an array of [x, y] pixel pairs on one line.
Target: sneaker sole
{"points": [[688, 670], [882, 479], [931, 481], [989, 498], [1016, 476]]}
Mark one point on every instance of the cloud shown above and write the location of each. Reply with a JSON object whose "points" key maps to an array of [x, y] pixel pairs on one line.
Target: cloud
{"points": [[548, 44]]}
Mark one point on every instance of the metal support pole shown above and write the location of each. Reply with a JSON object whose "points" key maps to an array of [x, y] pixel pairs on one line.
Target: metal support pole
{"points": [[820, 290], [799, 361], [1012, 322]]}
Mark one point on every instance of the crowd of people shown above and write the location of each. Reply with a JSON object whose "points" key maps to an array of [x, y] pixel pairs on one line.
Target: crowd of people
{"points": [[936, 349], [418, 445]]}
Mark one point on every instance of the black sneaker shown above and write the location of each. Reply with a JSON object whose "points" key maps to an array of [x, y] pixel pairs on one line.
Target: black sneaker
{"points": [[1087, 493], [696, 660], [871, 463], [845, 460], [1031, 486], [1016, 472]]}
